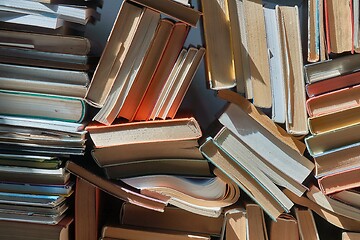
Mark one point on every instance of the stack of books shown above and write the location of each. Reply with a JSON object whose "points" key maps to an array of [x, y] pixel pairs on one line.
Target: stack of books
{"points": [[43, 82]]}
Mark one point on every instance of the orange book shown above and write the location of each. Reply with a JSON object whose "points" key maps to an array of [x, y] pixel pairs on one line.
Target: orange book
{"points": [[340, 181], [164, 68], [333, 84], [333, 101]]}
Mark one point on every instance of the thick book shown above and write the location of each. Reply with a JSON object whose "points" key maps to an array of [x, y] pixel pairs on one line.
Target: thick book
{"points": [[45, 42], [172, 149], [256, 226], [333, 101], [340, 181], [87, 203], [173, 218], [181, 167], [117, 189], [32, 231], [332, 84], [114, 53], [350, 197], [173, 9], [339, 25], [43, 80], [219, 58], [204, 196], [306, 224], [235, 224], [258, 53], [333, 141], [122, 232], [245, 179], [265, 144], [285, 227], [126, 74], [334, 121], [142, 132], [45, 106]]}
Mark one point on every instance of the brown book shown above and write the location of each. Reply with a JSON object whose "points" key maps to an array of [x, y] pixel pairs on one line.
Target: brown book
{"points": [[285, 227], [340, 181], [306, 224], [132, 233], [117, 189], [172, 218], [173, 9], [86, 210], [256, 227], [235, 224], [33, 231], [350, 236]]}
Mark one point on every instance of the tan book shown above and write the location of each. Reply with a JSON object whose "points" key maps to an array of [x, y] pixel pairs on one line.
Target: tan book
{"points": [[289, 25], [340, 181], [256, 227], [219, 58], [258, 53], [306, 224], [235, 224], [313, 54], [285, 227], [350, 197], [114, 53], [350, 236], [339, 26]]}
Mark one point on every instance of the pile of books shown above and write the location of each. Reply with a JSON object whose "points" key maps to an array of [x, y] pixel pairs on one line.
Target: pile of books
{"points": [[43, 82]]}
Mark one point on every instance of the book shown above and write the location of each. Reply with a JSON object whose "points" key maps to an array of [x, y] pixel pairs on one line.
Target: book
{"points": [[145, 132], [34, 176], [46, 106], [333, 101], [262, 119], [313, 45], [170, 149], [306, 224], [118, 42], [32, 161], [256, 227], [350, 197], [336, 182], [245, 179], [45, 42], [257, 166], [204, 196], [122, 232], [62, 189], [173, 9], [350, 236], [32, 231], [332, 217], [130, 67], [289, 26], [339, 15], [173, 218], [332, 84], [182, 167], [219, 58], [257, 49], [235, 224], [332, 141], [269, 147], [331, 68], [44, 80], [117, 189], [356, 25], [277, 77], [163, 35], [26, 199], [44, 21], [334, 121], [86, 210], [315, 195], [285, 227], [336, 162], [160, 77]]}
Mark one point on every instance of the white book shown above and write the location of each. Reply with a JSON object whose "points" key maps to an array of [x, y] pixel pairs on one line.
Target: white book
{"points": [[286, 159], [45, 21]]}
